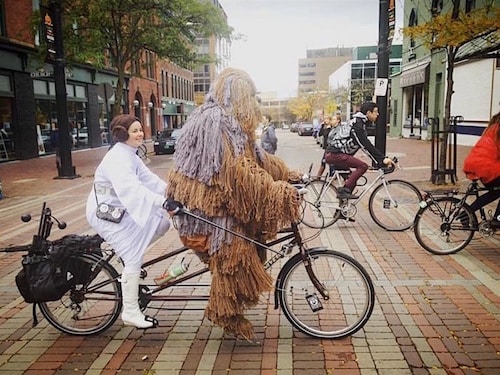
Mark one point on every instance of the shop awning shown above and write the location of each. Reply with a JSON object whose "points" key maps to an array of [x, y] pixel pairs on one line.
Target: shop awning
{"points": [[485, 46], [170, 109], [414, 76]]}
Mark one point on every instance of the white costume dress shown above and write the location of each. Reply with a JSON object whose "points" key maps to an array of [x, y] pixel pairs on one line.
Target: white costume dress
{"points": [[122, 179]]}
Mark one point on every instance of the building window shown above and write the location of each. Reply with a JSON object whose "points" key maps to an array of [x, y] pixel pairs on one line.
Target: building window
{"points": [[136, 66], [470, 5], [2, 18], [437, 7], [150, 64]]}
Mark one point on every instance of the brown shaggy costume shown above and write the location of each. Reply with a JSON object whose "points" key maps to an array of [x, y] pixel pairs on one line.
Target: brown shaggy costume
{"points": [[221, 174]]}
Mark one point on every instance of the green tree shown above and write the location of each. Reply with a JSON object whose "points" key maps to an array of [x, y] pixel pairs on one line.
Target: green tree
{"points": [[117, 32], [450, 31]]}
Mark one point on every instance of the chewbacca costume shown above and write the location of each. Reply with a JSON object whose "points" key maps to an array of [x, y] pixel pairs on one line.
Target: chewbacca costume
{"points": [[221, 174]]}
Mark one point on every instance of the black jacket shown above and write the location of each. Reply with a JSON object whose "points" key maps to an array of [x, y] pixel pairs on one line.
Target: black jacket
{"points": [[359, 139]]}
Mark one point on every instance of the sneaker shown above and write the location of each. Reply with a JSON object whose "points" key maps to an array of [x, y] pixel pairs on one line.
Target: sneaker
{"points": [[345, 193]]}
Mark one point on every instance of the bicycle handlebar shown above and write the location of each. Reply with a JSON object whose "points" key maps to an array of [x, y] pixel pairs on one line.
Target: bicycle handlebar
{"points": [[44, 230]]}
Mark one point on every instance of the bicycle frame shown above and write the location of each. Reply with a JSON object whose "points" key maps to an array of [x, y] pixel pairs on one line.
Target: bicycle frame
{"points": [[473, 190], [291, 234], [337, 176], [94, 302]]}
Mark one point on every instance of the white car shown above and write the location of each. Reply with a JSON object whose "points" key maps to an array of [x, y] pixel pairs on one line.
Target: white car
{"points": [[80, 137]]}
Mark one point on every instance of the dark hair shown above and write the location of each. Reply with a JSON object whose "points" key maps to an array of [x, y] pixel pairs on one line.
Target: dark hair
{"points": [[119, 126], [368, 107], [268, 117]]}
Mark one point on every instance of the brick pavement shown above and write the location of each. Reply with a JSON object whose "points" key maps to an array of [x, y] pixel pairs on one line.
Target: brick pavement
{"points": [[433, 314]]}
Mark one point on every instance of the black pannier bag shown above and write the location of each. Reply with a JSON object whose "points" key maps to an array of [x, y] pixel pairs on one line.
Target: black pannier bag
{"points": [[44, 278], [49, 273]]}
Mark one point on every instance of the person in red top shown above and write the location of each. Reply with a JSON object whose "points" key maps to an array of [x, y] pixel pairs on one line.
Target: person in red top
{"points": [[483, 163]]}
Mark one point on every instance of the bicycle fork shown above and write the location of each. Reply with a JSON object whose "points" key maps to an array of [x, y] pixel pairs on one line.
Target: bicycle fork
{"points": [[311, 298]]}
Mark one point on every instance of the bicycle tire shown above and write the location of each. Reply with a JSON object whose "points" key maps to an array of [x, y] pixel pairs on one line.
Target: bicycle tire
{"points": [[92, 305], [436, 234], [394, 208], [321, 208], [351, 292]]}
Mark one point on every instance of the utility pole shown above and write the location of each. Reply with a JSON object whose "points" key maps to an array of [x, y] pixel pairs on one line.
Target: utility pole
{"points": [[382, 75], [66, 169]]}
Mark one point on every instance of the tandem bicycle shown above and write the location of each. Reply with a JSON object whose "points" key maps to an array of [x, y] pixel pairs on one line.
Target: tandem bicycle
{"points": [[323, 293]]}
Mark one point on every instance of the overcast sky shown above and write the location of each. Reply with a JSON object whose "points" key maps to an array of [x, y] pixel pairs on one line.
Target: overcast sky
{"points": [[278, 32]]}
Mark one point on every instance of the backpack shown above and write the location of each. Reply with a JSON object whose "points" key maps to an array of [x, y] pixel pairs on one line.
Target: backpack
{"points": [[340, 135]]}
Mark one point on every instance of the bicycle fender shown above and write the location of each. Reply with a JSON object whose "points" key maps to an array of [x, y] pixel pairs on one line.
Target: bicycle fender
{"points": [[285, 270]]}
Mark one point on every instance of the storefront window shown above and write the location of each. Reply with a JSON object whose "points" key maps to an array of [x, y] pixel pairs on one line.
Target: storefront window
{"points": [[7, 150], [46, 117]]}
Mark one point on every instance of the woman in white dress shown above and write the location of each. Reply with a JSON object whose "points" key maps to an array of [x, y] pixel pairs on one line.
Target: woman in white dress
{"points": [[122, 180]]}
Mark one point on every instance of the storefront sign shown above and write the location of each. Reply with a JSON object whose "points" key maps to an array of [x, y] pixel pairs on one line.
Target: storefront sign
{"points": [[41, 74], [412, 77]]}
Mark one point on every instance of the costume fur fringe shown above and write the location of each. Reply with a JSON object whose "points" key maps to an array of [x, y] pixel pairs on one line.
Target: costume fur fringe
{"points": [[222, 175]]}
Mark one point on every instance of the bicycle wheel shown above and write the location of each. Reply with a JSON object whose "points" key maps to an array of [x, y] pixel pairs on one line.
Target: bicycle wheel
{"points": [[321, 205], [393, 206], [445, 226], [92, 305], [351, 294]]}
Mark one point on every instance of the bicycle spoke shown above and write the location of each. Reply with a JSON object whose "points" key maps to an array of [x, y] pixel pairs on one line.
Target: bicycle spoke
{"points": [[351, 295], [85, 309], [444, 228], [321, 205], [393, 205]]}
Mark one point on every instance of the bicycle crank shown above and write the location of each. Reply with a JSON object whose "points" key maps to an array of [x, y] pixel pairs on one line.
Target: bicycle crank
{"points": [[348, 210], [486, 229]]}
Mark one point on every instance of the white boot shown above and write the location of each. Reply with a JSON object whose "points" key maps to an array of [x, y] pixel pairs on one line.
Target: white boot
{"points": [[131, 314]]}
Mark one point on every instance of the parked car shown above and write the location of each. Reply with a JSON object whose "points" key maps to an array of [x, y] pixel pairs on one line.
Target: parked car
{"points": [[80, 136], [165, 141], [305, 129], [47, 144], [294, 127]]}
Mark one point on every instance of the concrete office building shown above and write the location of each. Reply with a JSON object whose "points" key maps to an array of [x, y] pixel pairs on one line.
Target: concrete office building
{"points": [[315, 69]]}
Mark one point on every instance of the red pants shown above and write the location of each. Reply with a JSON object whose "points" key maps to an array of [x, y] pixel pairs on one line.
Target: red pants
{"points": [[344, 161]]}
